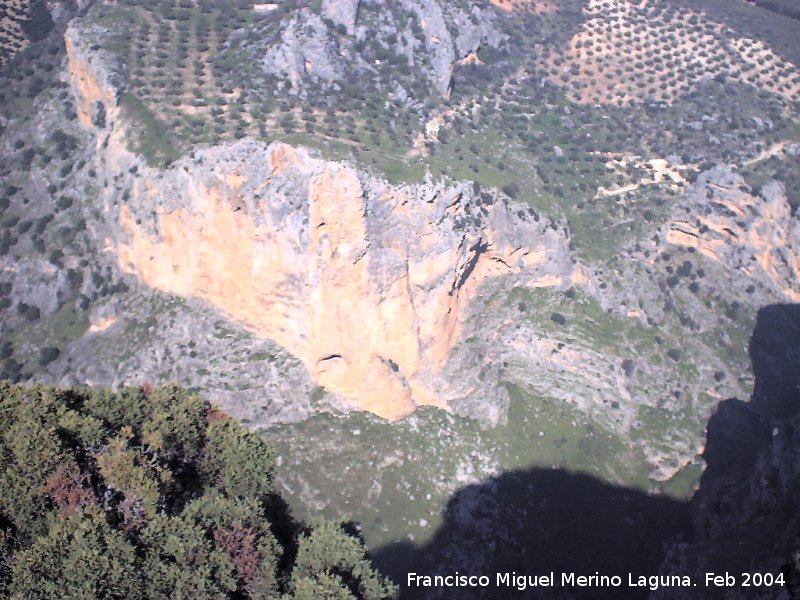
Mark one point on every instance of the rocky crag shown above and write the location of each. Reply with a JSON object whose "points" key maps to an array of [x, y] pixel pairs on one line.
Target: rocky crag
{"points": [[308, 49], [756, 235], [368, 283]]}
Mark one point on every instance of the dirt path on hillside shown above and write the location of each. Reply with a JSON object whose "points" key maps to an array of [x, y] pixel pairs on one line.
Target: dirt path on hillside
{"points": [[774, 150]]}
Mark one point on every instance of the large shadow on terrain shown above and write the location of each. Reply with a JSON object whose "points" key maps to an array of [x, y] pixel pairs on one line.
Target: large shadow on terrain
{"points": [[745, 499], [537, 521], [775, 354], [738, 430]]}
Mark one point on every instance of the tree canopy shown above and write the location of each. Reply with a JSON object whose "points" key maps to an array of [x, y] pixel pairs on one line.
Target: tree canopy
{"points": [[155, 494]]}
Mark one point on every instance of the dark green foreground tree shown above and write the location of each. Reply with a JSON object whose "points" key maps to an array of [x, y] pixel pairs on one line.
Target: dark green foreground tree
{"points": [[151, 495]]}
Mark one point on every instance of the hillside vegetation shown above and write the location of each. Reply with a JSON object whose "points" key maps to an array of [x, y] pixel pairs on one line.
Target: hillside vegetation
{"points": [[154, 494]]}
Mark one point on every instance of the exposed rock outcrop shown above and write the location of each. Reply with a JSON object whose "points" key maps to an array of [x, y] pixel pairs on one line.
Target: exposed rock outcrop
{"points": [[304, 51], [757, 235], [438, 42], [341, 12], [95, 76], [367, 283]]}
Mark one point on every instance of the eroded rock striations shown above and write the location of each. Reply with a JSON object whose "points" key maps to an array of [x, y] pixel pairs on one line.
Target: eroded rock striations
{"points": [[368, 283], [756, 234]]}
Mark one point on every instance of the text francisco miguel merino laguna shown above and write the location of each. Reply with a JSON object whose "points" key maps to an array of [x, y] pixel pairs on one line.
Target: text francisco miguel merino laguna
{"points": [[522, 582]]}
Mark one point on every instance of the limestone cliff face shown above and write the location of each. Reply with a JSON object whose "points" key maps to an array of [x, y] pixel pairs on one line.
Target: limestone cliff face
{"points": [[304, 51], [366, 282], [369, 284], [308, 52], [95, 76], [757, 235]]}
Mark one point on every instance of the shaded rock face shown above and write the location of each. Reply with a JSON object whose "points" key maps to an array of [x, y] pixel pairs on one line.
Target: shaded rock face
{"points": [[744, 514], [757, 235], [367, 283], [432, 36]]}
